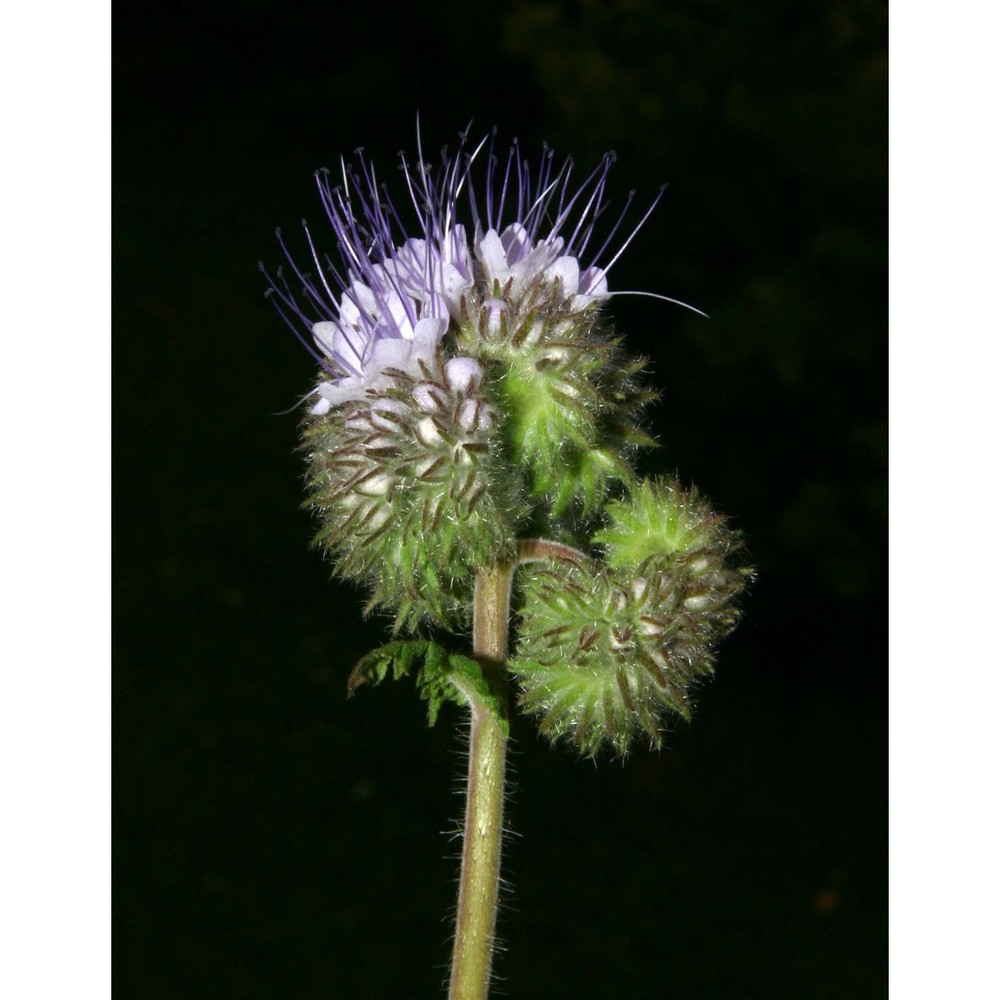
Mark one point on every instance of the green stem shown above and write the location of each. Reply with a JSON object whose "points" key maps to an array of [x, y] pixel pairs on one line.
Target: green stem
{"points": [[479, 880]]}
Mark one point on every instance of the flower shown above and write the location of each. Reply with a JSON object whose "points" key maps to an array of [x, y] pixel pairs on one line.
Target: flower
{"points": [[388, 304]]}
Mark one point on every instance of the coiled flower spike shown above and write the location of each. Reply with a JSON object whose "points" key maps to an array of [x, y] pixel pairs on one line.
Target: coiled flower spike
{"points": [[515, 299], [607, 649], [468, 394]]}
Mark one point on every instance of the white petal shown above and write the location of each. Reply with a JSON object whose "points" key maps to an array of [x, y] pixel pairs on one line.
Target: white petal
{"points": [[341, 391], [468, 415], [363, 297], [530, 268], [436, 307], [567, 270], [428, 332], [453, 286], [324, 334], [394, 309], [349, 312], [348, 347], [516, 242], [594, 283], [493, 257], [413, 256], [392, 352], [456, 250], [410, 268]]}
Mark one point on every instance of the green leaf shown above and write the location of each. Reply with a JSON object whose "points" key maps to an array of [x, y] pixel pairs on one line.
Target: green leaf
{"points": [[440, 675]]}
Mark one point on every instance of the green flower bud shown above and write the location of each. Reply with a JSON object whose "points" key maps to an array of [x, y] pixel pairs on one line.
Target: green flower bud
{"points": [[568, 397], [660, 520], [405, 486], [606, 651]]}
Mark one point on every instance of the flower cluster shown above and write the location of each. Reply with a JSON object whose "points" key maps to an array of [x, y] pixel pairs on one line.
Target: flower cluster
{"points": [[386, 306], [408, 489], [470, 396], [608, 646]]}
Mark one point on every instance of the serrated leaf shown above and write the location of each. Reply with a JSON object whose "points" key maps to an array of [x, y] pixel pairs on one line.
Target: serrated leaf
{"points": [[440, 675], [466, 674]]}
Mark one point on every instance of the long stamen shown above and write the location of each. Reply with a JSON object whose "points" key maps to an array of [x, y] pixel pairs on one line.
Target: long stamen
{"points": [[590, 211], [283, 300], [649, 211]]}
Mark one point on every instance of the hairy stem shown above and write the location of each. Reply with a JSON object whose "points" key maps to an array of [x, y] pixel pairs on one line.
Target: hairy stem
{"points": [[542, 550], [479, 880]]}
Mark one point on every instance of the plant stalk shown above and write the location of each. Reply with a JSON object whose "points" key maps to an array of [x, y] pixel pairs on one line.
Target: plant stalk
{"points": [[479, 879]]}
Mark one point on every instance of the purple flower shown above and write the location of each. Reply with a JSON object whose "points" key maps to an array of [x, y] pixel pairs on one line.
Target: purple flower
{"points": [[387, 304]]}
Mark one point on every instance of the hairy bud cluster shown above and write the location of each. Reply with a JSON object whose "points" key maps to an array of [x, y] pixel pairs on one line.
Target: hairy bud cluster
{"points": [[404, 484], [604, 651], [570, 397], [467, 391]]}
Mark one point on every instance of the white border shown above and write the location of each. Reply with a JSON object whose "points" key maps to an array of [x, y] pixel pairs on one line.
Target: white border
{"points": [[945, 598], [55, 397]]}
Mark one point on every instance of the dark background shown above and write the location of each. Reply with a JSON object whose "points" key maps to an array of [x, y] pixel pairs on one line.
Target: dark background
{"points": [[273, 839]]}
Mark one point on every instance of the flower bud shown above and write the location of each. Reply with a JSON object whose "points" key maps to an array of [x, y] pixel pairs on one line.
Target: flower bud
{"points": [[569, 404], [464, 375], [406, 485], [663, 525], [605, 651]]}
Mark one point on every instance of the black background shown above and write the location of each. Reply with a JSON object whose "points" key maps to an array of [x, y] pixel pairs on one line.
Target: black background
{"points": [[273, 839]]}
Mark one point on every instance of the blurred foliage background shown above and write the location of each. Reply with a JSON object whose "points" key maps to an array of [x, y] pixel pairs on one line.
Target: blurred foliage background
{"points": [[272, 839]]}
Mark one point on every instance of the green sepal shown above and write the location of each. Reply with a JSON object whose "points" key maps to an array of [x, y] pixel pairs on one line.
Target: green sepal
{"points": [[440, 675], [569, 396]]}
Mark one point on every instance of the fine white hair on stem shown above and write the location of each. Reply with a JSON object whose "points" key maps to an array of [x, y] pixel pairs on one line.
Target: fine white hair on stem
{"points": [[662, 298]]}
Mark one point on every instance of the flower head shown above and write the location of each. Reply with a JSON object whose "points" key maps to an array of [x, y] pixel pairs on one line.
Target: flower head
{"points": [[471, 397], [388, 302]]}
